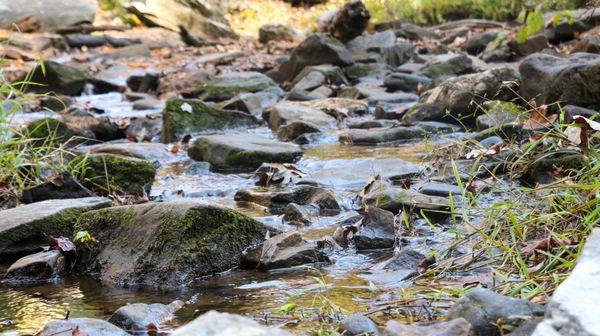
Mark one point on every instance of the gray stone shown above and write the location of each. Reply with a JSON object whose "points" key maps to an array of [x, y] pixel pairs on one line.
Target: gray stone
{"points": [[276, 201], [372, 70], [498, 113], [440, 189], [365, 124], [572, 309], [294, 129], [214, 323], [253, 103], [478, 42], [57, 78], [376, 230], [61, 187], [406, 259], [289, 249], [375, 92], [380, 193], [447, 64], [405, 82], [455, 327], [315, 50], [382, 135], [277, 32], [85, 326], [241, 151], [149, 151], [358, 325], [23, 229], [286, 112], [164, 245], [138, 316], [36, 268], [484, 309], [296, 214], [228, 85], [573, 80], [491, 141]]}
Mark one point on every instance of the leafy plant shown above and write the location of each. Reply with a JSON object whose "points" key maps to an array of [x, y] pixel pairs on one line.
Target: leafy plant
{"points": [[534, 22]]}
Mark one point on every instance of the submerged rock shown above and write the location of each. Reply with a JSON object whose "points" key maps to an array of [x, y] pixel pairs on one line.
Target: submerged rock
{"points": [[138, 316], [125, 174], [185, 116], [36, 268], [455, 327], [376, 230], [572, 308], [85, 326], [243, 152], [289, 249], [484, 310], [214, 323], [23, 229], [164, 245]]}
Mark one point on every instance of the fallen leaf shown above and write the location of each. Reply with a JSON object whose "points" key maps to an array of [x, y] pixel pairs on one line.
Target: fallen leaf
{"points": [[476, 153], [63, 244], [539, 117], [545, 244]]}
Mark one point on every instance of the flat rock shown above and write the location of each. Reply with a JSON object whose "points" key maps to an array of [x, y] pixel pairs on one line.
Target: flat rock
{"points": [[149, 151], [214, 323], [228, 85], [376, 230], [23, 229], [137, 316], [242, 151], [36, 268], [357, 325], [289, 249], [86, 326], [381, 194], [382, 135], [455, 327], [286, 112], [51, 14]]}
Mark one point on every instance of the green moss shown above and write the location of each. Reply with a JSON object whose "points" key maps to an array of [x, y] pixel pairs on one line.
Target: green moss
{"points": [[437, 70], [110, 172], [58, 78]]}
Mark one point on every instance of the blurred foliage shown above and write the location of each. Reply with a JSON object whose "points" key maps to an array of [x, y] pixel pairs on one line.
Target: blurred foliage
{"points": [[116, 12]]}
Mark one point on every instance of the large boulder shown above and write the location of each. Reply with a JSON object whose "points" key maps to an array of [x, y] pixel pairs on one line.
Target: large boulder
{"points": [[572, 308], [185, 116], [241, 151], [574, 79], [202, 18], [315, 50], [461, 96], [23, 229], [106, 173], [81, 326], [138, 316], [51, 14], [57, 78], [164, 245], [486, 310], [214, 323], [36, 268]]}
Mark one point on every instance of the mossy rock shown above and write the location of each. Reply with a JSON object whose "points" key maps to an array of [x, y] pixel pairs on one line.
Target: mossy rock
{"points": [[332, 74], [48, 132], [165, 245], [57, 78], [229, 85], [543, 168], [499, 113], [110, 172], [23, 229], [178, 120]]}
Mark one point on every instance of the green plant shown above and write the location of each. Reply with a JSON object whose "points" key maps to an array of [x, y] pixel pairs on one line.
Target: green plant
{"points": [[534, 22]]}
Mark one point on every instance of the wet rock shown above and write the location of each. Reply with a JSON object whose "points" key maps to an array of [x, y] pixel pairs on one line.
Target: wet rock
{"points": [[484, 310], [145, 128], [340, 108], [375, 92], [241, 151], [436, 127], [277, 32], [398, 54], [359, 71], [569, 27], [571, 310], [125, 174], [184, 116], [527, 328], [252, 103], [406, 259], [58, 78], [198, 168], [447, 64], [588, 42], [376, 230], [295, 214], [455, 327], [64, 186], [289, 249], [85, 326], [391, 111], [23, 229], [36, 268], [354, 173], [204, 19], [315, 50], [498, 52], [143, 81], [365, 124], [399, 81], [542, 168], [164, 245], [312, 77], [49, 132], [228, 85], [456, 95], [361, 46], [293, 130], [440, 189], [133, 51], [478, 42], [50, 14], [498, 113], [302, 195], [573, 79], [214, 323], [355, 325], [380, 193], [153, 152], [382, 135], [138, 316], [284, 113], [491, 141]]}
